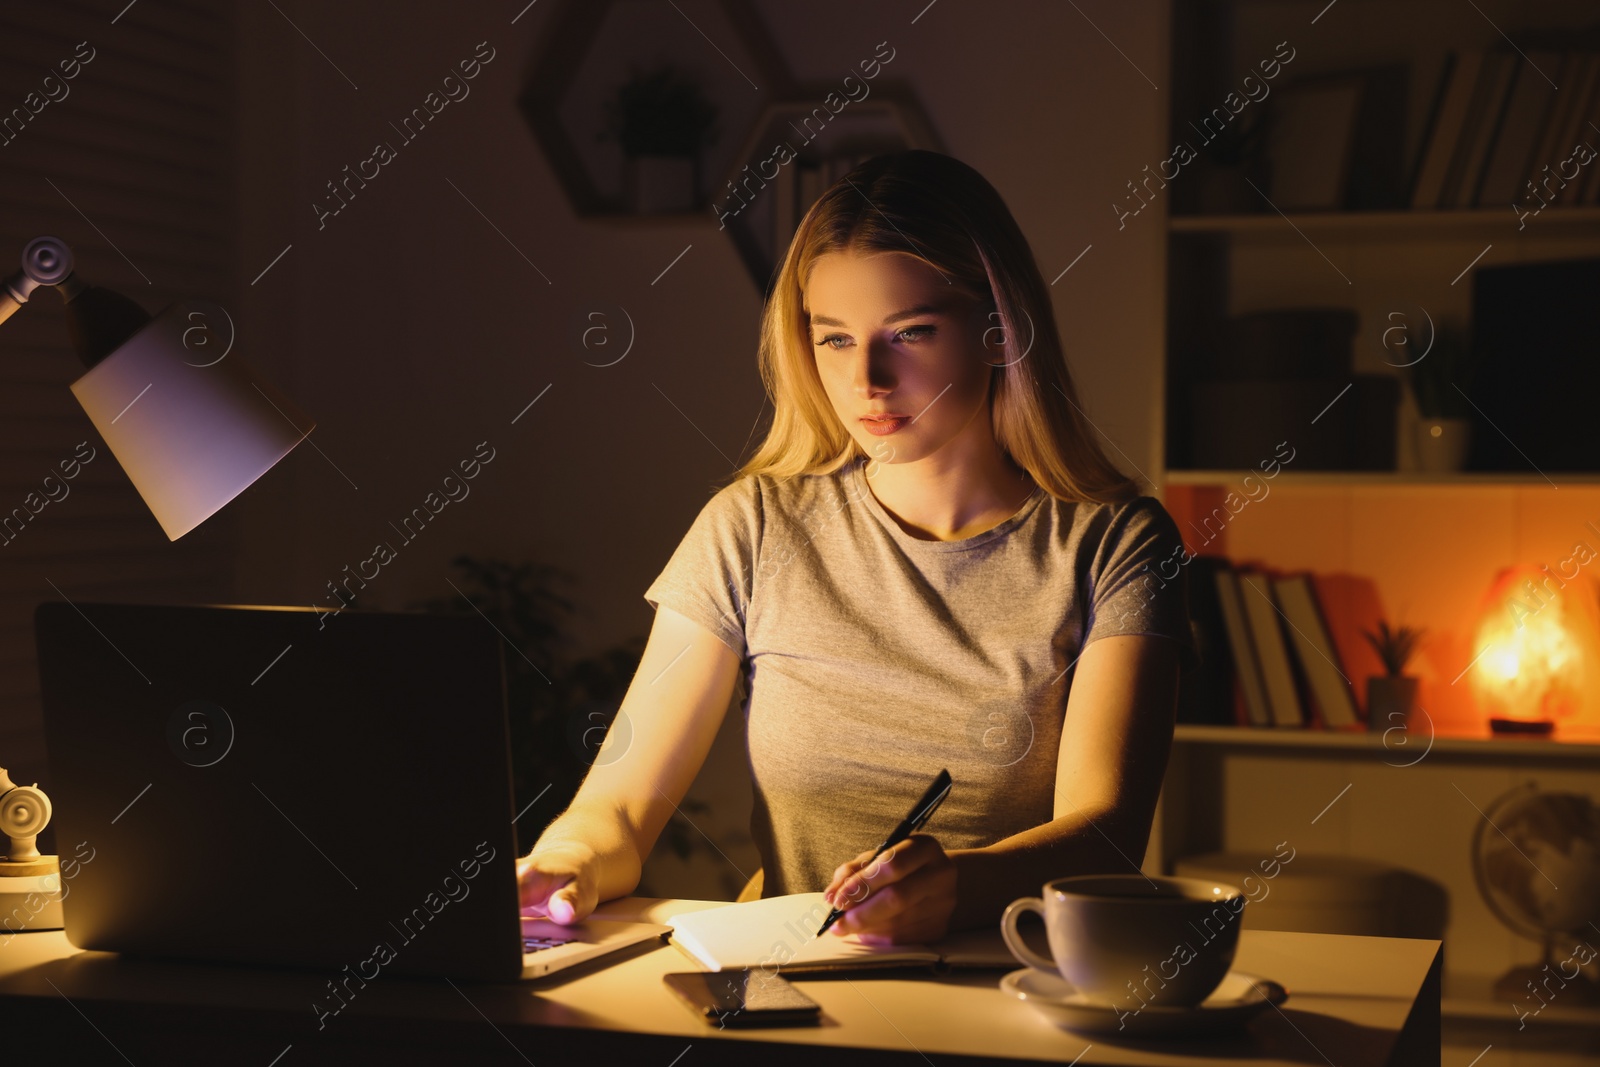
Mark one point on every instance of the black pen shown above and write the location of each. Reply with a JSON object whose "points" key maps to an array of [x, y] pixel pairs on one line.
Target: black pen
{"points": [[908, 826]]}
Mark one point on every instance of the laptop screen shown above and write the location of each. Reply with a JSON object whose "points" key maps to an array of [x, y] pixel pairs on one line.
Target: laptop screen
{"points": [[274, 786]]}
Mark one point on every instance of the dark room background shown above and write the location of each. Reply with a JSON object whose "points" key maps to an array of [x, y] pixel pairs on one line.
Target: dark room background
{"points": [[480, 291]]}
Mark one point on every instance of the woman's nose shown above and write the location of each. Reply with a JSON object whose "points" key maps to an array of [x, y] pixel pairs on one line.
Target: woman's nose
{"points": [[870, 372]]}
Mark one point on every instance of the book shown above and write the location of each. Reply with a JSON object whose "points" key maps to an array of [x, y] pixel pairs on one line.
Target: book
{"points": [[1376, 179], [1484, 125], [1582, 128], [1561, 131], [1428, 190], [1311, 141], [1478, 126], [1319, 665], [780, 933], [1527, 114], [1206, 682], [1242, 647], [1430, 123], [1277, 676], [1589, 176], [1350, 605]]}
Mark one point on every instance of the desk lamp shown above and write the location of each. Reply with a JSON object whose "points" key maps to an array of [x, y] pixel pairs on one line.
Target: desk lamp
{"points": [[192, 427]]}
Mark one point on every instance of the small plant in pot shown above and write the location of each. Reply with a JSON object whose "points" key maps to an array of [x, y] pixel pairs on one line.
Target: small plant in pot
{"points": [[662, 119], [1439, 381], [1391, 695]]}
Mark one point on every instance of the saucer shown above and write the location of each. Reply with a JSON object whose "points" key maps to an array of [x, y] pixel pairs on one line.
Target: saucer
{"points": [[1238, 998]]}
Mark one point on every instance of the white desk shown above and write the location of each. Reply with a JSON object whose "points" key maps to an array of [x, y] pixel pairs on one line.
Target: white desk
{"points": [[1353, 1001]]}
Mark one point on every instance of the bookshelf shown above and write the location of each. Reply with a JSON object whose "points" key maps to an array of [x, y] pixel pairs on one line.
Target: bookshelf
{"points": [[1430, 542], [1577, 746], [1446, 479], [1252, 258], [1236, 242], [1499, 222]]}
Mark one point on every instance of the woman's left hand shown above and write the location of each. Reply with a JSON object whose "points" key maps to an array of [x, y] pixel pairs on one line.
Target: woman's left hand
{"points": [[904, 896]]}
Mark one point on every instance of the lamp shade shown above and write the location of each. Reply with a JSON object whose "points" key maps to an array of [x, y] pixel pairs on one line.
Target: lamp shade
{"points": [[191, 424]]}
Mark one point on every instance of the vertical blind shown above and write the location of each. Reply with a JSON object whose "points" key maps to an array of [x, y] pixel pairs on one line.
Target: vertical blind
{"points": [[118, 137]]}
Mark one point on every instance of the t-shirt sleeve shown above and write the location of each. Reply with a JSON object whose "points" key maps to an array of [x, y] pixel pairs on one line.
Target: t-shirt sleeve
{"points": [[709, 577], [1128, 591]]}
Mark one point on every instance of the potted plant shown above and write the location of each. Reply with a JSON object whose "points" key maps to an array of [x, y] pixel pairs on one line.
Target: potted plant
{"points": [[1391, 695], [662, 119], [1439, 381]]}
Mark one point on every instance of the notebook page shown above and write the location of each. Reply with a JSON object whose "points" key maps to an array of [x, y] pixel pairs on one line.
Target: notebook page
{"points": [[985, 947], [779, 931]]}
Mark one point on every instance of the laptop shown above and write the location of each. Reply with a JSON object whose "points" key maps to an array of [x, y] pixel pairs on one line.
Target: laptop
{"points": [[280, 786]]}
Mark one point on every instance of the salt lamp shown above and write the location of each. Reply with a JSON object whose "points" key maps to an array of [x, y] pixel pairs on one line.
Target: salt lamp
{"points": [[1534, 649]]}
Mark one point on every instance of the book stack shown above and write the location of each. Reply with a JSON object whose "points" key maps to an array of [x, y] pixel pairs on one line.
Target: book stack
{"points": [[1506, 128], [1278, 649]]}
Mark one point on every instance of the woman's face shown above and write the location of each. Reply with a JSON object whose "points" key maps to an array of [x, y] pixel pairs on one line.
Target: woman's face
{"points": [[892, 336]]}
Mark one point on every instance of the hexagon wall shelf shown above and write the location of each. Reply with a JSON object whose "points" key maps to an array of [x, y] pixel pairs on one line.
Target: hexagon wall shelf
{"points": [[592, 46], [761, 215]]}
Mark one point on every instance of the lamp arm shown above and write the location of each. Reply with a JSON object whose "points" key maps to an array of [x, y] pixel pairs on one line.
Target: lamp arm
{"points": [[99, 320], [45, 261]]}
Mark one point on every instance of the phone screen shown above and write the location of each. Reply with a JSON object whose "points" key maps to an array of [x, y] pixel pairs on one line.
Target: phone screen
{"points": [[743, 998]]}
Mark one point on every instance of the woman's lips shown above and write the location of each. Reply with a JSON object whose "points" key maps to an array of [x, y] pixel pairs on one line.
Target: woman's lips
{"points": [[884, 427]]}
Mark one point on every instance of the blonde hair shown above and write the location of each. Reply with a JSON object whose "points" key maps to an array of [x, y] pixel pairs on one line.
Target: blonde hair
{"points": [[943, 212]]}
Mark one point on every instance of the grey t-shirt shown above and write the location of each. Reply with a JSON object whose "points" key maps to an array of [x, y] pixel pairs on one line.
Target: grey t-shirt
{"points": [[872, 659]]}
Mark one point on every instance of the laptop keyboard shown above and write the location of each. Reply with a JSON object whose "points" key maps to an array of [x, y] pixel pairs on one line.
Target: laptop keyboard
{"points": [[538, 944]]}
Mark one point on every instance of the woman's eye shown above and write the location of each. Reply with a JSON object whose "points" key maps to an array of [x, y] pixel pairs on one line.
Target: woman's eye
{"points": [[909, 335]]}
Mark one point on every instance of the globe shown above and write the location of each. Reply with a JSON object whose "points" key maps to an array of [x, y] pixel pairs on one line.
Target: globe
{"points": [[1536, 858]]}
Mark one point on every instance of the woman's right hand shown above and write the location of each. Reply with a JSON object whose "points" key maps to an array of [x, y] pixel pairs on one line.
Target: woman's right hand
{"points": [[559, 880]]}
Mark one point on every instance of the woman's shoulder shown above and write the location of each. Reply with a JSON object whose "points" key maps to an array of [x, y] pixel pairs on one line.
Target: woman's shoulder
{"points": [[1095, 533], [754, 507], [771, 496], [1140, 512], [1131, 515]]}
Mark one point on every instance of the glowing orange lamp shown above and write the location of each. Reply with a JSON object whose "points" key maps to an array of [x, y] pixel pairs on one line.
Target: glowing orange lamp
{"points": [[1532, 654]]}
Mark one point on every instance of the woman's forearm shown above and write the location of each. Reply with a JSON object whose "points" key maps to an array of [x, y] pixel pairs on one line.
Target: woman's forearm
{"points": [[989, 878], [602, 830]]}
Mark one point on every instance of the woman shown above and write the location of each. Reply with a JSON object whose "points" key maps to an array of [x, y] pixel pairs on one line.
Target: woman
{"points": [[929, 563]]}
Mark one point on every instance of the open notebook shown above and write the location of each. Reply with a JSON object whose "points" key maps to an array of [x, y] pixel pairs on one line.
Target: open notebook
{"points": [[780, 932]]}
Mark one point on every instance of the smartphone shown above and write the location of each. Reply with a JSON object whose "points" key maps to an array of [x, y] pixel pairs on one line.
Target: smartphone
{"points": [[743, 998]]}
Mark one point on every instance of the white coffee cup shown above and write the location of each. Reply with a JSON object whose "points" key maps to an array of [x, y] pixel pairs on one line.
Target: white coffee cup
{"points": [[1127, 941]]}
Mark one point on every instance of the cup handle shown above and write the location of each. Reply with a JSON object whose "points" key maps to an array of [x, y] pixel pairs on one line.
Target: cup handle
{"points": [[1014, 942]]}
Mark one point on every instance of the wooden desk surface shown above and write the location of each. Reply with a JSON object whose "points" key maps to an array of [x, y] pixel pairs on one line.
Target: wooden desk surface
{"points": [[1353, 1000]]}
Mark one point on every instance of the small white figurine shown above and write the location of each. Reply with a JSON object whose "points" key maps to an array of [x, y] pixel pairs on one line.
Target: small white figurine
{"points": [[24, 812]]}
